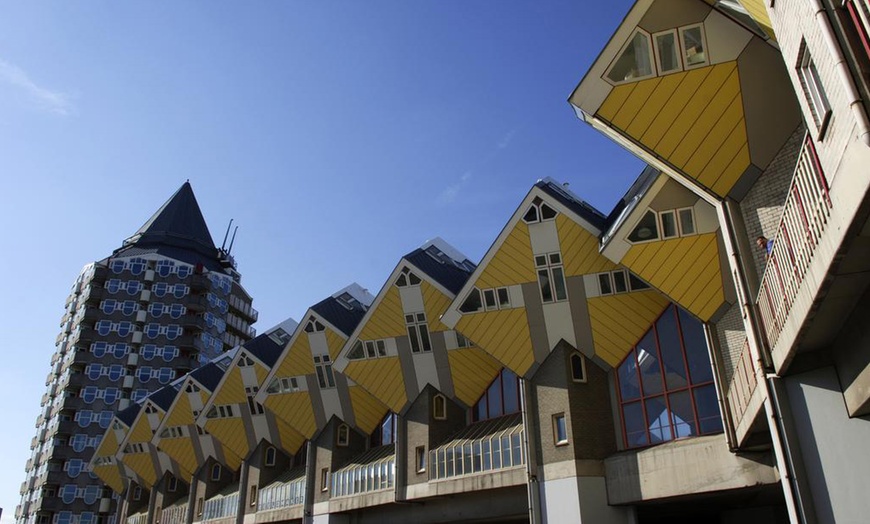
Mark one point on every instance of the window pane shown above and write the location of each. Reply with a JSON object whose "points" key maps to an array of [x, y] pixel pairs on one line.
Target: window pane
{"points": [[693, 46], [604, 284], [472, 302], [708, 409], [412, 336], [634, 62], [700, 369], [489, 298], [646, 229], [424, 337], [636, 283], [629, 385], [544, 281], [666, 46], [559, 284], [494, 399], [531, 215], [577, 372], [619, 282], [511, 394], [635, 426], [671, 352], [503, 297], [682, 414], [648, 360], [669, 224], [659, 420], [687, 222], [547, 212]]}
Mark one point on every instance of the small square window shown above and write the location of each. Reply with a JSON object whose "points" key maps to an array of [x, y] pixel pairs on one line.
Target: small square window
{"points": [[619, 283], [560, 429], [687, 221], [489, 299], [669, 224], [604, 285], [504, 300], [634, 62], [694, 47]]}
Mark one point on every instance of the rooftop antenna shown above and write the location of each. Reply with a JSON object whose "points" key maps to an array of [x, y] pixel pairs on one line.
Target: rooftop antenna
{"points": [[236, 230], [223, 245]]}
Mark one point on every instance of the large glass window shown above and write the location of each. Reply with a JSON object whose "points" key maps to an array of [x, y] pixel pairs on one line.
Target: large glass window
{"points": [[665, 384], [502, 397]]}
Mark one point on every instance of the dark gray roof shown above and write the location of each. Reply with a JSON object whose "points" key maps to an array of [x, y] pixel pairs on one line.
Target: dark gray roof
{"points": [[177, 224], [128, 416], [264, 348], [448, 275], [344, 319], [627, 203], [163, 397], [209, 375], [582, 208]]}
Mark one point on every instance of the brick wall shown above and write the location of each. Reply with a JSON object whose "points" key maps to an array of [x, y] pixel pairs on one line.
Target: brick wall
{"points": [[731, 334], [762, 206]]}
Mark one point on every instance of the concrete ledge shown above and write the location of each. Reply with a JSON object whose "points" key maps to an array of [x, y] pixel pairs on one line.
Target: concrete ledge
{"points": [[573, 468], [362, 500], [684, 467], [280, 514], [478, 482]]}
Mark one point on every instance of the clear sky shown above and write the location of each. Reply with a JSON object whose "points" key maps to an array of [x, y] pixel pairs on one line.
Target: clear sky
{"points": [[338, 135]]}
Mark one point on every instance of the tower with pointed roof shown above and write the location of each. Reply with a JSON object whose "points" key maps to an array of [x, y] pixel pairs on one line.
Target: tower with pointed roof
{"points": [[164, 302]]}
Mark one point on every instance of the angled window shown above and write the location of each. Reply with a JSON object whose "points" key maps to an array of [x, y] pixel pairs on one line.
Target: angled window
{"points": [[357, 352], [407, 278], [314, 326], [531, 215], [646, 229], [472, 302], [694, 46], [462, 341], [814, 90], [635, 60], [502, 397]]}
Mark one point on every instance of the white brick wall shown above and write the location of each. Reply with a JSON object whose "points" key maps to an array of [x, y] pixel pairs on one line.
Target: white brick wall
{"points": [[794, 21], [731, 334], [762, 206]]}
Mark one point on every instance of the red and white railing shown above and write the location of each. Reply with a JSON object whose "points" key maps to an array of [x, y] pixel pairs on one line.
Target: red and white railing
{"points": [[804, 218], [742, 385]]}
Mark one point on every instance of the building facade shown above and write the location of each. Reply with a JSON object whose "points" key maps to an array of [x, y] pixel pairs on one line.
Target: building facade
{"points": [[162, 304], [698, 354]]}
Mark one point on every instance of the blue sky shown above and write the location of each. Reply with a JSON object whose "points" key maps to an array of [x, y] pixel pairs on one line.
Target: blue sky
{"points": [[338, 135]]}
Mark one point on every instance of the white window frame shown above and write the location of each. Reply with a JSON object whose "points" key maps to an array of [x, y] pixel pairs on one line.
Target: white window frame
{"points": [[653, 73], [814, 91], [682, 44], [556, 418], [418, 325], [677, 49], [549, 266]]}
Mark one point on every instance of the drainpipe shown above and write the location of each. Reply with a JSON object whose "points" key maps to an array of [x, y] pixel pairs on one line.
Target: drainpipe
{"points": [[310, 479], [191, 499], [529, 433], [858, 112], [782, 452], [243, 490]]}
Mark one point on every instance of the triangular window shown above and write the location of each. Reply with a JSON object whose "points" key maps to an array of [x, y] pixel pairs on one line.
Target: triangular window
{"points": [[635, 60]]}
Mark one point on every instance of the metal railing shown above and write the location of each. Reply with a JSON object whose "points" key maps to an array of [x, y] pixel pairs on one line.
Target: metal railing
{"points": [[282, 494], [804, 218], [487, 446], [742, 385], [373, 471], [174, 514], [139, 518], [221, 506]]}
